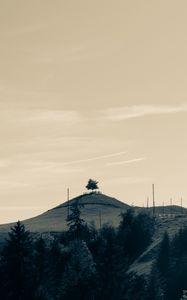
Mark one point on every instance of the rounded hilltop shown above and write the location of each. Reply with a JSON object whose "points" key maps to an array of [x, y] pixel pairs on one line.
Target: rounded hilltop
{"points": [[94, 198], [96, 208]]}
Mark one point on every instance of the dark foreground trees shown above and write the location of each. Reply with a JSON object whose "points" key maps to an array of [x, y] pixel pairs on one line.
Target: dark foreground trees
{"points": [[16, 265], [135, 233], [168, 277], [79, 278], [75, 223], [82, 263]]}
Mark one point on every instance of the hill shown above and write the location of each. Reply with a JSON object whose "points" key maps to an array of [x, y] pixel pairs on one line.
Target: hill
{"points": [[99, 209], [171, 224], [95, 208]]}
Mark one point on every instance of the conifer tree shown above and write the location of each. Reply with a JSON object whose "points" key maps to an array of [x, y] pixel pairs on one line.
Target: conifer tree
{"points": [[80, 273], [40, 257], [163, 260], [74, 222], [56, 262], [110, 264], [154, 289], [135, 233], [18, 280]]}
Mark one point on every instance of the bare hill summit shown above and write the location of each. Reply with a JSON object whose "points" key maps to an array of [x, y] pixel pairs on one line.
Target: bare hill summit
{"points": [[94, 207]]}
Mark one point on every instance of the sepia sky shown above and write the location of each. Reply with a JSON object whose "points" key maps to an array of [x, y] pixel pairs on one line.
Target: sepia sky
{"points": [[91, 89]]}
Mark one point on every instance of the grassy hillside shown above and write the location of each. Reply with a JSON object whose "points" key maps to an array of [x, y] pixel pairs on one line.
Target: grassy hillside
{"points": [[172, 224], [96, 207], [93, 207]]}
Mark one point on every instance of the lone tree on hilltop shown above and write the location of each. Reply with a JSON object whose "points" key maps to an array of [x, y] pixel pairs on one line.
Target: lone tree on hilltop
{"points": [[92, 185]]}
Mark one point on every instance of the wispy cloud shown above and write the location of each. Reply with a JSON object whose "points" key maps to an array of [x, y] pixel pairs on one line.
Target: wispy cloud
{"points": [[127, 180], [52, 167], [137, 111], [54, 116], [12, 184], [95, 158], [124, 162], [88, 50]]}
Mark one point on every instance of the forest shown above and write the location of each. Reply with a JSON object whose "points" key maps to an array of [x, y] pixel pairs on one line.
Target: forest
{"points": [[83, 263]]}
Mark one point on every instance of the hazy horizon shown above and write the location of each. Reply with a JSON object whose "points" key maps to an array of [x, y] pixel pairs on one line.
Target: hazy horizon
{"points": [[91, 89]]}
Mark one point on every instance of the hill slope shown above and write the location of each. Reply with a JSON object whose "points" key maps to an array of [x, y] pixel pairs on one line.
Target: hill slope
{"points": [[171, 224], [93, 206]]}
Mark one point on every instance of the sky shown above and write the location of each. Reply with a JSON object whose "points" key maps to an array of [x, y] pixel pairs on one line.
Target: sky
{"points": [[92, 89]]}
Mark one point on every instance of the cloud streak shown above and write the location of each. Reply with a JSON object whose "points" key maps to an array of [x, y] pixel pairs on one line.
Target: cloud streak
{"points": [[128, 180], [62, 167], [137, 111], [94, 158], [124, 162], [12, 184], [66, 116]]}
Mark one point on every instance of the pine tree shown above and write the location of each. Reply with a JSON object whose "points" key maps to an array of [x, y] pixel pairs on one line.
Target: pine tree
{"points": [[154, 289], [79, 277], [18, 280], [56, 262], [110, 264], [74, 222], [135, 233], [40, 257], [163, 260]]}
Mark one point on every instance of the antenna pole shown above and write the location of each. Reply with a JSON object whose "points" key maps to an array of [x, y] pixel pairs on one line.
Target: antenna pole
{"points": [[181, 206], [147, 202], [153, 188], [68, 202], [171, 208]]}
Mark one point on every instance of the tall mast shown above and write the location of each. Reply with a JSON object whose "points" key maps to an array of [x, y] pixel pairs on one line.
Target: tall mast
{"points": [[68, 202], [163, 209], [147, 202], [181, 206], [171, 206], [153, 188]]}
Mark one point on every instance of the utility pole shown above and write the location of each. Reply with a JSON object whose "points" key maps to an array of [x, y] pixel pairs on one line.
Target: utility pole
{"points": [[181, 207], [153, 188], [68, 203], [171, 207], [147, 202]]}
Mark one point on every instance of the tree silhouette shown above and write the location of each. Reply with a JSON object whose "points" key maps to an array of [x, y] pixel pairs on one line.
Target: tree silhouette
{"points": [[154, 289], [78, 281], [163, 259], [17, 257], [92, 185], [74, 222]]}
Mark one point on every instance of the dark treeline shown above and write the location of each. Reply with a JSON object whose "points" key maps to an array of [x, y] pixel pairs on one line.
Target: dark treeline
{"points": [[168, 280], [85, 264]]}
